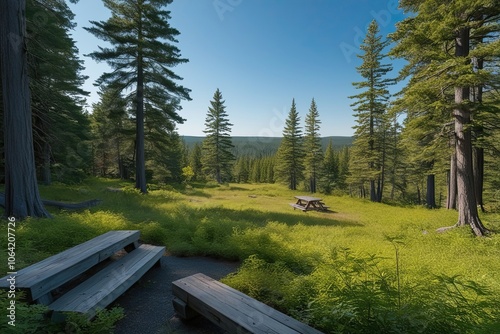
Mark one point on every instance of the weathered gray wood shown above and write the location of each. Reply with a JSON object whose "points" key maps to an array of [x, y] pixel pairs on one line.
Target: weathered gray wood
{"points": [[233, 310], [105, 286], [308, 198], [298, 206], [183, 310], [42, 277]]}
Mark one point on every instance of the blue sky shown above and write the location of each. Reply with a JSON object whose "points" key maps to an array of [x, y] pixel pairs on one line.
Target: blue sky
{"points": [[261, 54]]}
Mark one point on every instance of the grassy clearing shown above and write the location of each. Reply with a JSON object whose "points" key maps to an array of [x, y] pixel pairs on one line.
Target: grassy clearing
{"points": [[336, 270]]}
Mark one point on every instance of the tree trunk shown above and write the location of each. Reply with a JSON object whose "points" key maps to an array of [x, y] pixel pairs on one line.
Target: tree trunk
{"points": [[467, 210], [47, 180], [419, 197], [451, 202], [373, 191], [381, 184], [22, 198], [479, 176], [140, 163], [479, 151], [430, 196]]}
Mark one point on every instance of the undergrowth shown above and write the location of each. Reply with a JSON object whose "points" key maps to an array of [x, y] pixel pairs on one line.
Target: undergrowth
{"points": [[35, 319], [362, 268]]}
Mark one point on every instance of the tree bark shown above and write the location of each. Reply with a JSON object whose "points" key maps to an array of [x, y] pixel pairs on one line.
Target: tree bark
{"points": [[467, 209], [430, 197], [419, 197], [451, 201], [22, 197], [47, 179], [140, 163], [479, 151], [479, 176]]}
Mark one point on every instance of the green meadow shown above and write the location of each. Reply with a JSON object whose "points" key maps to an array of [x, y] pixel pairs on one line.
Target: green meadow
{"points": [[364, 267]]}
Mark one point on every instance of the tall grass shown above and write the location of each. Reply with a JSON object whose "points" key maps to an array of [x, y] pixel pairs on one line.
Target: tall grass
{"points": [[362, 268]]}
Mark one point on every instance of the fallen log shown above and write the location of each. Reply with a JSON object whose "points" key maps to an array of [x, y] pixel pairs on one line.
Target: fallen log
{"points": [[61, 205]]}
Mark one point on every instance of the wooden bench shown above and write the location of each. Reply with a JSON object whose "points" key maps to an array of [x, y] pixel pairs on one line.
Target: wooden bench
{"points": [[95, 279], [230, 309], [298, 206]]}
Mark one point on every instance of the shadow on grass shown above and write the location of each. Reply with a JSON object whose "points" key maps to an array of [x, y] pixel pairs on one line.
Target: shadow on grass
{"points": [[230, 188], [196, 192], [261, 218]]}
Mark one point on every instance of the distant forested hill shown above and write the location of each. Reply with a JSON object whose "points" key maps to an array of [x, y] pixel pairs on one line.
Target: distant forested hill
{"points": [[264, 146]]}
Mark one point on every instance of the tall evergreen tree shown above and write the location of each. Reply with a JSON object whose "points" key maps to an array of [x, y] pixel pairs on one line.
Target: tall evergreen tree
{"points": [[241, 169], [60, 127], [113, 135], [217, 158], [290, 156], [195, 162], [22, 198], [164, 150], [142, 55], [312, 146], [343, 160], [368, 153], [442, 44], [330, 169]]}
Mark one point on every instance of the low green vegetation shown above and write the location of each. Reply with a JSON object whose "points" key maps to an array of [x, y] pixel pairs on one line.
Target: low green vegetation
{"points": [[364, 267]]}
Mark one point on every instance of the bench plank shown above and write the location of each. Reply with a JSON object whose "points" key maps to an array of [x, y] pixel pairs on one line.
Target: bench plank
{"points": [[105, 286], [298, 206], [44, 276], [233, 310]]}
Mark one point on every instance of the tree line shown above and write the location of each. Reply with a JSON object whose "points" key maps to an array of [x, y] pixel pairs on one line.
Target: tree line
{"points": [[449, 106]]}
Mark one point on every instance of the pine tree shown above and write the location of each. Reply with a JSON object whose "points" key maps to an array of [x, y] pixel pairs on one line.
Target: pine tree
{"points": [[60, 127], [113, 135], [217, 158], [195, 162], [164, 150], [22, 198], [443, 45], [330, 173], [312, 146], [290, 156], [142, 55], [368, 153], [241, 169], [343, 160]]}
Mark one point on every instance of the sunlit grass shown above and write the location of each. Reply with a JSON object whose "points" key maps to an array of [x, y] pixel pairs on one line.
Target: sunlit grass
{"points": [[256, 222]]}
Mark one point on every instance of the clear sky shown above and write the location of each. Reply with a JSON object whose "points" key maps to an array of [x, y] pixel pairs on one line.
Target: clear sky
{"points": [[261, 54]]}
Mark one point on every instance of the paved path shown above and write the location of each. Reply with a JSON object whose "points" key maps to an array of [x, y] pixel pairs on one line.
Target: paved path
{"points": [[148, 304]]}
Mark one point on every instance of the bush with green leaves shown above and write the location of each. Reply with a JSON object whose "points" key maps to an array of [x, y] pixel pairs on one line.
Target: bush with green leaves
{"points": [[356, 294], [35, 318]]}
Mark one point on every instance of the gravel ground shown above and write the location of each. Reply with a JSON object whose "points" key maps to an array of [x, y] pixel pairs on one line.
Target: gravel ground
{"points": [[148, 304]]}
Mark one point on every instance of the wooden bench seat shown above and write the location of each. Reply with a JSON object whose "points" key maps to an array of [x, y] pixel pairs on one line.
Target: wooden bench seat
{"points": [[85, 277], [41, 278], [298, 206], [231, 309], [106, 285]]}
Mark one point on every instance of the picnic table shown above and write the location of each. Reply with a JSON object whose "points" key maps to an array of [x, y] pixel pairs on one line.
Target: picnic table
{"points": [[306, 203]]}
